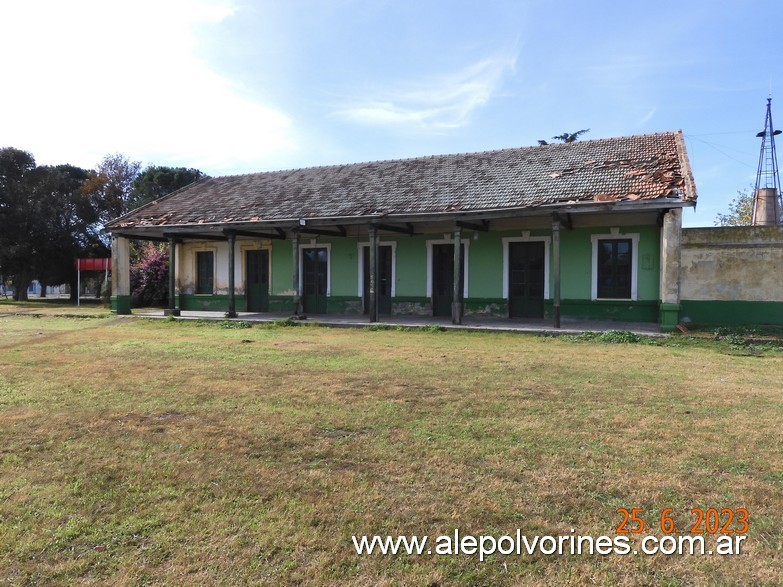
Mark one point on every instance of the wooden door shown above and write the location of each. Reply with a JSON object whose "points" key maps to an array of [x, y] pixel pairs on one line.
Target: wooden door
{"points": [[257, 287], [314, 279], [384, 282], [526, 279], [443, 278]]}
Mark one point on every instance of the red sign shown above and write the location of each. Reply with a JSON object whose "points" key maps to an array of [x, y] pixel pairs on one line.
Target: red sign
{"points": [[93, 264]]}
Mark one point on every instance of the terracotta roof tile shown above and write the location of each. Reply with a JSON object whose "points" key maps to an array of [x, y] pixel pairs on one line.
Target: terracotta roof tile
{"points": [[626, 168]]}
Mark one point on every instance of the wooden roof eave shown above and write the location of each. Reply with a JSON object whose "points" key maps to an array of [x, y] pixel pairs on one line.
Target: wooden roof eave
{"points": [[211, 230]]}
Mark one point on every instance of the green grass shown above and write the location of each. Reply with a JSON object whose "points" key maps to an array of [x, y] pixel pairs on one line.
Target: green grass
{"points": [[151, 452]]}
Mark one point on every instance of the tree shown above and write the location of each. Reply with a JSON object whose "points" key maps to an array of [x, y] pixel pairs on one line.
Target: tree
{"points": [[17, 216], [740, 210], [47, 221], [110, 186], [67, 224], [157, 181], [567, 137]]}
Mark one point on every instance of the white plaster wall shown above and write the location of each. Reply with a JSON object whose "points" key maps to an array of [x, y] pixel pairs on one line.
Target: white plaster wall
{"points": [[186, 269], [732, 263]]}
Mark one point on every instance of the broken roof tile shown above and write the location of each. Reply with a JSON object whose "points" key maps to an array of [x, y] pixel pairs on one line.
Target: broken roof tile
{"points": [[624, 168]]}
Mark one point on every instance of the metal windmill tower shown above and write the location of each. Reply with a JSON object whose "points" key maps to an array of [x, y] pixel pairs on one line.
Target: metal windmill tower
{"points": [[767, 203]]}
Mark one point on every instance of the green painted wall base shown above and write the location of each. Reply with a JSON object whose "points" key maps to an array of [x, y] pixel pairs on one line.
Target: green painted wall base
{"points": [[497, 307], [619, 311], [411, 306], [121, 304], [732, 313], [281, 304], [348, 305], [213, 303], [668, 317]]}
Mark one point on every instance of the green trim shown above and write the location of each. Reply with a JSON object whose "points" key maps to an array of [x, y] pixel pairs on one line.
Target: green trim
{"points": [[208, 303], [121, 304], [411, 300], [733, 313], [621, 311], [486, 307], [669, 316], [349, 305], [279, 303]]}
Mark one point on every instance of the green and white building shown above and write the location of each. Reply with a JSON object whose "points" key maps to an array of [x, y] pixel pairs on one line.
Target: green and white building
{"points": [[589, 230]]}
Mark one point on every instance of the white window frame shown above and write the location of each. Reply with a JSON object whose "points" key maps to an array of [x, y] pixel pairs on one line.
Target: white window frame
{"points": [[328, 247], [243, 248], [547, 240], [447, 241], [360, 252], [616, 235], [205, 249]]}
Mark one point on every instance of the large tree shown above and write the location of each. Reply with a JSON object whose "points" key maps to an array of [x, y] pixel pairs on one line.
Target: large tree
{"points": [[110, 186], [47, 221], [740, 210], [68, 224], [157, 181], [18, 216]]}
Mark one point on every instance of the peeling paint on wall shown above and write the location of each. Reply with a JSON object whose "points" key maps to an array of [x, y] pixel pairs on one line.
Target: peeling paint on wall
{"points": [[742, 263]]}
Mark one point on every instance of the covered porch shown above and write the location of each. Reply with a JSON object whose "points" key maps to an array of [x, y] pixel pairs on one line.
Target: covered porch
{"points": [[412, 244]]}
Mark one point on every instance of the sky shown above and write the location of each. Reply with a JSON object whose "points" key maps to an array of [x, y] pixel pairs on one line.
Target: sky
{"points": [[239, 86]]}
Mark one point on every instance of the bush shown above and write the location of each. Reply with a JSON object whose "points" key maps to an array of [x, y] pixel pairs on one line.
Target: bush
{"points": [[149, 276]]}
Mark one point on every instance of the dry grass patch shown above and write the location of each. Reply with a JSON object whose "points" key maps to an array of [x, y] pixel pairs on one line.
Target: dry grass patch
{"points": [[155, 452]]}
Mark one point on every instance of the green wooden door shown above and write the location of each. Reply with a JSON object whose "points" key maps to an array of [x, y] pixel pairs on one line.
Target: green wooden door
{"points": [[443, 278], [257, 272], [314, 279], [526, 279], [384, 279]]}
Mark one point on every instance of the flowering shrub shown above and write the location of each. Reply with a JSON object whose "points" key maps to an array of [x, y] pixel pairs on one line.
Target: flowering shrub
{"points": [[149, 276]]}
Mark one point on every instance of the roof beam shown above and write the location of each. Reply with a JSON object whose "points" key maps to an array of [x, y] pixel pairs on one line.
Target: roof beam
{"points": [[340, 231], [481, 226], [278, 235], [156, 239], [407, 229], [563, 220], [194, 236]]}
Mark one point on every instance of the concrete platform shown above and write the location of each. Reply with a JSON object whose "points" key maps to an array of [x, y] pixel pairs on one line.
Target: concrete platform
{"points": [[568, 326]]}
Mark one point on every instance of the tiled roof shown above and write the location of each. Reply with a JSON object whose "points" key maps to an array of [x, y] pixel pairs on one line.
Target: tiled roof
{"points": [[616, 169]]}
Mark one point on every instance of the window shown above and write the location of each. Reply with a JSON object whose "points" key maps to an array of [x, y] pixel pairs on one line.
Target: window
{"points": [[205, 272], [614, 268]]}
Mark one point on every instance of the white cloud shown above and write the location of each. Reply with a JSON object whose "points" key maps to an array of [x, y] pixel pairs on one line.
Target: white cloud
{"points": [[442, 102], [93, 77]]}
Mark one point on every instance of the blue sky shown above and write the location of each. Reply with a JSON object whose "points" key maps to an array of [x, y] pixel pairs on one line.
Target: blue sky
{"points": [[233, 86]]}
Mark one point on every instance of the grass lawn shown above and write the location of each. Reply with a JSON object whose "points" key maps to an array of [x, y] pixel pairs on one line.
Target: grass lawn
{"points": [[152, 452]]}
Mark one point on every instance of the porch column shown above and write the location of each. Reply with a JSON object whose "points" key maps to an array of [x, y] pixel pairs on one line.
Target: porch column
{"points": [[297, 284], [172, 310], [556, 271], [373, 293], [671, 237], [456, 303], [232, 301], [120, 275]]}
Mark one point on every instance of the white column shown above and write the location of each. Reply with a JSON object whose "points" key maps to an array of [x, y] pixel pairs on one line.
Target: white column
{"points": [[120, 275]]}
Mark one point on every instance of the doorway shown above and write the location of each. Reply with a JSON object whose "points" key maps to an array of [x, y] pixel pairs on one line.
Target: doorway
{"points": [[443, 277], [384, 282], [526, 262], [315, 275], [257, 272]]}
